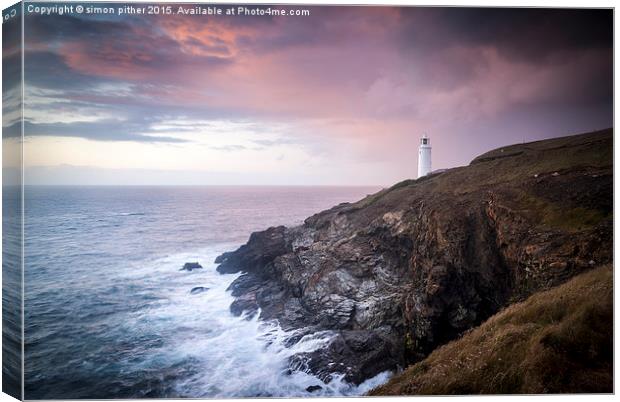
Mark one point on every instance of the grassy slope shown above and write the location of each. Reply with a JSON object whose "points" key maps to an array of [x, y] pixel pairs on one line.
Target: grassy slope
{"points": [[513, 168], [560, 340]]}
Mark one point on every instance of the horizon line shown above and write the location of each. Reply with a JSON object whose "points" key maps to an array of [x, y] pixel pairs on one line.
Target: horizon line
{"points": [[201, 185]]}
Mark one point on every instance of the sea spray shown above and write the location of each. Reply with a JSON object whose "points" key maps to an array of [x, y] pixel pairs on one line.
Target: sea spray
{"points": [[229, 356], [109, 315]]}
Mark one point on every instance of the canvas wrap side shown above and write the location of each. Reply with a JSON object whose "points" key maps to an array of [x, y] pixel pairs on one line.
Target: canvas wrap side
{"points": [[12, 202]]}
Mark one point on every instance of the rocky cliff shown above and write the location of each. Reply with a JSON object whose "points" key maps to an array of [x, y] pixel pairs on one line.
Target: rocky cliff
{"points": [[412, 267]]}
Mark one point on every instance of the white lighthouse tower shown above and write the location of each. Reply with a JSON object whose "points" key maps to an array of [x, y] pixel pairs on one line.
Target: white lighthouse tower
{"points": [[424, 156]]}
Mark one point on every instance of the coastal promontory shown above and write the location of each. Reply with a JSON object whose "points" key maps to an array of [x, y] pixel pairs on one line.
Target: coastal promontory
{"points": [[417, 265]]}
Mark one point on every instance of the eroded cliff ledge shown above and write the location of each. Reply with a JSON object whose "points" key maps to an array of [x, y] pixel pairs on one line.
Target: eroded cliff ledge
{"points": [[412, 267]]}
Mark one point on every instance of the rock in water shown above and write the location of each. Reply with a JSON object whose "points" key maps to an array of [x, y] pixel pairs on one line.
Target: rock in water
{"points": [[313, 388], [414, 266], [190, 266], [198, 289]]}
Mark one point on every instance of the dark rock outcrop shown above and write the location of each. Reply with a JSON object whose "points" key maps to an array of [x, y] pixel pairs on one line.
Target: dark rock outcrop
{"points": [[407, 269], [198, 289], [265, 247], [190, 266], [358, 354]]}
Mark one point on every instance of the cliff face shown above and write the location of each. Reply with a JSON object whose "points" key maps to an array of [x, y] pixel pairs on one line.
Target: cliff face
{"points": [[411, 267], [560, 340]]}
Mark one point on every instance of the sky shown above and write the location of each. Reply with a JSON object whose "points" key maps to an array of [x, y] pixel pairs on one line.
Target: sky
{"points": [[339, 97]]}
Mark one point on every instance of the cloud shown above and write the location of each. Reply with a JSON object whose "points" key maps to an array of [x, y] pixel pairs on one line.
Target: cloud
{"points": [[230, 148], [356, 84], [519, 34], [107, 130]]}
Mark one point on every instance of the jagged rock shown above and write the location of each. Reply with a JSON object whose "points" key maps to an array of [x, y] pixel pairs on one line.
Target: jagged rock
{"points": [[198, 289], [414, 266], [245, 303], [313, 388], [357, 355], [190, 266], [260, 250]]}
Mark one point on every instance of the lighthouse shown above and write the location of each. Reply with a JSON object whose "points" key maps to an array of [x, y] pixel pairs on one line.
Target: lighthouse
{"points": [[424, 156]]}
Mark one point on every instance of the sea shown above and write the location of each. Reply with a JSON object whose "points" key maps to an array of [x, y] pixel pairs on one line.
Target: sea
{"points": [[109, 313]]}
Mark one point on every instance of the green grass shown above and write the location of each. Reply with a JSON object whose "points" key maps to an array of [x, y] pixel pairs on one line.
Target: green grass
{"points": [[555, 216], [574, 219], [557, 341], [593, 150], [510, 169]]}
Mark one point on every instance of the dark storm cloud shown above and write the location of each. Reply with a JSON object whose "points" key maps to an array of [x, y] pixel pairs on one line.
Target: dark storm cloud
{"points": [[534, 34], [523, 34], [11, 70], [341, 62], [11, 31], [102, 66], [334, 25], [11, 57], [51, 28], [46, 69], [448, 46], [128, 49]]}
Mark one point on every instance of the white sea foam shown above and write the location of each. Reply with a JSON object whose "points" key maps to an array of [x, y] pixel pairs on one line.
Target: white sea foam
{"points": [[226, 356]]}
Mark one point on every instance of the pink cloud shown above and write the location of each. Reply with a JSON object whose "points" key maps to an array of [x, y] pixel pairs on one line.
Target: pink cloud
{"points": [[367, 81]]}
